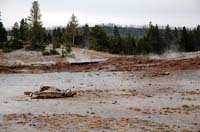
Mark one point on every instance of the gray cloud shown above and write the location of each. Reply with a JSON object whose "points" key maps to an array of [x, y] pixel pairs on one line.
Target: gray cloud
{"points": [[125, 12]]}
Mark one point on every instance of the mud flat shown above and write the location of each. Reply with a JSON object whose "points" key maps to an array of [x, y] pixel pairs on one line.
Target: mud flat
{"points": [[106, 101]]}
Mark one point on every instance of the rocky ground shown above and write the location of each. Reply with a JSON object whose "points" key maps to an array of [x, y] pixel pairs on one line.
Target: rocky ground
{"points": [[121, 94]]}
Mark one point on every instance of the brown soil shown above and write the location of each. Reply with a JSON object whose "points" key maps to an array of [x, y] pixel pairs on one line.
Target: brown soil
{"points": [[184, 109], [153, 66], [66, 122]]}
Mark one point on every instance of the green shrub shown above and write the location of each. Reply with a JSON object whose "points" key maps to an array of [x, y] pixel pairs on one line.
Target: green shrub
{"points": [[15, 44], [51, 52], [11, 45], [54, 52], [46, 53]]}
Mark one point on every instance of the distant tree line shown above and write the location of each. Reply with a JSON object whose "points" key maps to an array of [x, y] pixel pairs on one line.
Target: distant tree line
{"points": [[160, 40], [31, 34], [155, 40]]}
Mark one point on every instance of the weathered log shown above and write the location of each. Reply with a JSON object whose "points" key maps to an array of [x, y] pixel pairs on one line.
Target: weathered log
{"points": [[46, 92]]}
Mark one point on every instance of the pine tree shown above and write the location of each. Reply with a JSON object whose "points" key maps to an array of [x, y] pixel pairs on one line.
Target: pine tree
{"points": [[15, 31], [185, 40], [23, 30], [3, 33], [153, 41], [58, 37], [143, 47], [175, 32], [86, 31], [116, 32], [175, 45], [37, 31], [197, 36], [168, 38], [35, 16], [130, 45], [98, 39], [72, 29], [49, 37], [116, 45]]}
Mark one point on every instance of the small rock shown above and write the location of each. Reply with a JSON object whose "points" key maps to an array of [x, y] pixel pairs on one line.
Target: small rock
{"points": [[123, 90], [149, 96], [165, 73], [115, 102], [102, 102], [195, 124], [32, 125], [92, 113]]}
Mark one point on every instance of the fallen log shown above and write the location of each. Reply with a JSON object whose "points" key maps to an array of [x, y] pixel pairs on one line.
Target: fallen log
{"points": [[47, 92]]}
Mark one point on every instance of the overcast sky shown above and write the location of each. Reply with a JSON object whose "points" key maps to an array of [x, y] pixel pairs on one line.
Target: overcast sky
{"points": [[123, 12]]}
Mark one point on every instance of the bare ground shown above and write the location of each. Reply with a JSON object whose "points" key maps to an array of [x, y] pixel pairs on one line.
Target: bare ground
{"points": [[122, 94]]}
